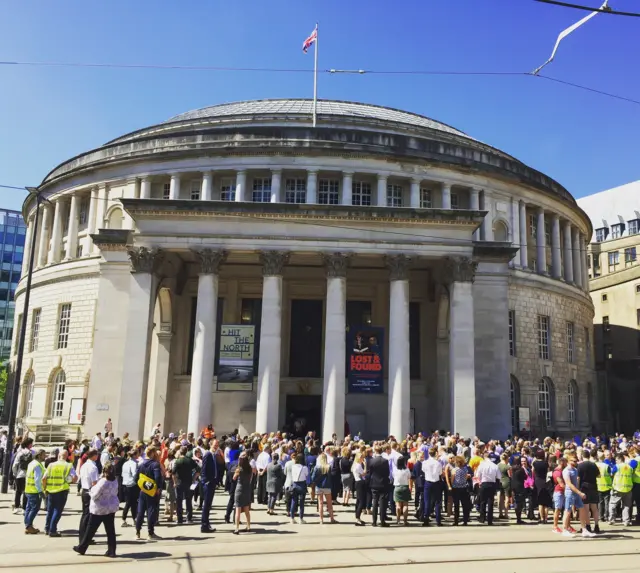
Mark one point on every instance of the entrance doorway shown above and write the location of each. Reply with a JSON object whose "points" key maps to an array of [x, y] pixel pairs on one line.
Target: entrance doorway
{"points": [[304, 414]]}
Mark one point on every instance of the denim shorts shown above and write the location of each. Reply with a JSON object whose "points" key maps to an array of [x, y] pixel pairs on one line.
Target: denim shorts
{"points": [[558, 500], [572, 500]]}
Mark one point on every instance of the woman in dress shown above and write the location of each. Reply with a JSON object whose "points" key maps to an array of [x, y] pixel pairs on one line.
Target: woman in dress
{"points": [[275, 479], [102, 510], [242, 497], [458, 485], [345, 475], [322, 479], [505, 487], [401, 492], [540, 471]]}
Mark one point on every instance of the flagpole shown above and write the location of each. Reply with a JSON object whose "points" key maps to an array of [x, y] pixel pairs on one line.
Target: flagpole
{"points": [[315, 78]]}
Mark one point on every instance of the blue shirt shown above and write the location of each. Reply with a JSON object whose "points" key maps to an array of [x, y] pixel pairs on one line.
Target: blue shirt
{"points": [[209, 471]]}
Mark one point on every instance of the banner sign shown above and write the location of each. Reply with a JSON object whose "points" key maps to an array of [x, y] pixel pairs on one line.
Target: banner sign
{"points": [[365, 368], [524, 420], [235, 367]]}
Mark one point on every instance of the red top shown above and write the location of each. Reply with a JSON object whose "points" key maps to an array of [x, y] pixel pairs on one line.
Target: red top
{"points": [[559, 488]]}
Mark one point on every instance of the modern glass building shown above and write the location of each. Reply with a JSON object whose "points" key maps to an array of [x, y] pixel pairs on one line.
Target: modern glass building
{"points": [[12, 237]]}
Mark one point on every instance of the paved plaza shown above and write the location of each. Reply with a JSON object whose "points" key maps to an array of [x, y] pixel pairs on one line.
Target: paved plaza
{"points": [[275, 545]]}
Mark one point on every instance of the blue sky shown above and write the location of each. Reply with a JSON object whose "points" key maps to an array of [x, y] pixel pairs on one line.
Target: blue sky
{"points": [[585, 141]]}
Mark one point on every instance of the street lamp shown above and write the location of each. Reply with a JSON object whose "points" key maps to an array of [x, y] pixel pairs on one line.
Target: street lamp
{"points": [[13, 407]]}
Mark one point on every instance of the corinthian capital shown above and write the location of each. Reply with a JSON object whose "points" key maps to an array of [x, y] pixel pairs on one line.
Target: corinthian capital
{"points": [[459, 269], [143, 259], [398, 266], [273, 262], [336, 264], [210, 260]]}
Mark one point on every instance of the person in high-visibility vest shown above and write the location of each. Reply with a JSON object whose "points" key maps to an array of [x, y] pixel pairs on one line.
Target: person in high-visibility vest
{"points": [[633, 452], [603, 482], [621, 489], [33, 491], [56, 482]]}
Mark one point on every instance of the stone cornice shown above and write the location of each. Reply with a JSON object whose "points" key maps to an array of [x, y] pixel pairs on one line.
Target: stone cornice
{"points": [[494, 251], [112, 239]]}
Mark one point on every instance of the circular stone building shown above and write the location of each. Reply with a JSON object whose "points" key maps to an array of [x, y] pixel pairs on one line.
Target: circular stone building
{"points": [[383, 272]]}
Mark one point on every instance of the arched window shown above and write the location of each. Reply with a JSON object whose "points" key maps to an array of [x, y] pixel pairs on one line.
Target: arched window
{"points": [[500, 232], [572, 394], [544, 402], [29, 384], [115, 219], [57, 402], [514, 389]]}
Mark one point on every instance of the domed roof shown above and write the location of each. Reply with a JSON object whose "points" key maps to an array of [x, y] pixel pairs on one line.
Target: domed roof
{"points": [[304, 107]]}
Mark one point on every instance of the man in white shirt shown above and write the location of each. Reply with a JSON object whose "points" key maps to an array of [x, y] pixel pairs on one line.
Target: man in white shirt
{"points": [[432, 470], [264, 459], [487, 475], [96, 443], [89, 477]]}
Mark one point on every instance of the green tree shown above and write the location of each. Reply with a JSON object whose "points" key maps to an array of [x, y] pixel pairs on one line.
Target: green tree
{"points": [[3, 381]]}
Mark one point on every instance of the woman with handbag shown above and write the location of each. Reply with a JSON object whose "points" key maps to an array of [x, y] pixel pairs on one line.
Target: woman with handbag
{"points": [[529, 486]]}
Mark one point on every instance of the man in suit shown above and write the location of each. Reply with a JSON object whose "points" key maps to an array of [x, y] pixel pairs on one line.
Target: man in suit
{"points": [[209, 480], [379, 482]]}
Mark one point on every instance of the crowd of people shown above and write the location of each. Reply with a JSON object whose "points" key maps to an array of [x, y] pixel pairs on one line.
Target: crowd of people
{"points": [[434, 479]]}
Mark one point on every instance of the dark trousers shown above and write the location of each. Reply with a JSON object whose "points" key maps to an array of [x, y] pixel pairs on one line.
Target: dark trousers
{"points": [[380, 503], [262, 489], [419, 493], [92, 526], [208, 489], [432, 501], [131, 495], [84, 518], [231, 502], [288, 494], [361, 497], [20, 499], [369, 503], [55, 506], [149, 506], [636, 500], [603, 504], [298, 495], [487, 495], [460, 496], [271, 499], [183, 492]]}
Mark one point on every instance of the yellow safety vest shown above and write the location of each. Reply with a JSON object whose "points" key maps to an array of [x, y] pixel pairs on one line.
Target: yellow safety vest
{"points": [[636, 473], [57, 474], [30, 486], [623, 479], [604, 481]]}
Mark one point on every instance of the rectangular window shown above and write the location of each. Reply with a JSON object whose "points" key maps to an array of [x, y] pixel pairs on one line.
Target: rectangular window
{"points": [[84, 208], [194, 190], [605, 297], [614, 260], [425, 199], [617, 230], [587, 344], [533, 226], [454, 201], [361, 194], [394, 195], [601, 234], [630, 256], [19, 327], [637, 289], [547, 233], [228, 189], [35, 330], [605, 324], [262, 190], [63, 325], [633, 227], [638, 316], [166, 190], [512, 332], [295, 191], [543, 337], [570, 342], [328, 191], [79, 251]]}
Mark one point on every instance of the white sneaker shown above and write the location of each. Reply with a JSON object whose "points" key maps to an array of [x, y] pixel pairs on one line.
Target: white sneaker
{"points": [[303, 521], [293, 520], [587, 533], [566, 533], [15, 511]]}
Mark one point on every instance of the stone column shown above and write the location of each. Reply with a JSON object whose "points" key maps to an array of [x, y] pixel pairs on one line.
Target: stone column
{"points": [[568, 254], [157, 389], [583, 261], [174, 187], [541, 243], [129, 416], [207, 186], [347, 188], [27, 243], [556, 267], [515, 230], [524, 253], [204, 339], [399, 380], [74, 222], [474, 205], [91, 222], [145, 188], [577, 263], [382, 191], [45, 229], [446, 196], [55, 251], [459, 273], [333, 394], [487, 222], [241, 184], [312, 186], [414, 201], [101, 206], [276, 185], [268, 399]]}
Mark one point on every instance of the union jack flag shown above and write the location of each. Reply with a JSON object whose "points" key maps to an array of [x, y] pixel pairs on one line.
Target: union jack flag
{"points": [[310, 40]]}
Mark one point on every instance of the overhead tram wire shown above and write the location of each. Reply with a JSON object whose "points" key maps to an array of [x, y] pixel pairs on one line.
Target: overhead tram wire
{"points": [[12, 187], [589, 8]]}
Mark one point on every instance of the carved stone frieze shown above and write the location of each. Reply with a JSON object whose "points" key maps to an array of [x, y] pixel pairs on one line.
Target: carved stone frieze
{"points": [[460, 269], [273, 262], [144, 259], [336, 264], [398, 266], [210, 260]]}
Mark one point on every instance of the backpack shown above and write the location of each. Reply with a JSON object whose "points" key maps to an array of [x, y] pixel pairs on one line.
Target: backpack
{"points": [[24, 460]]}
